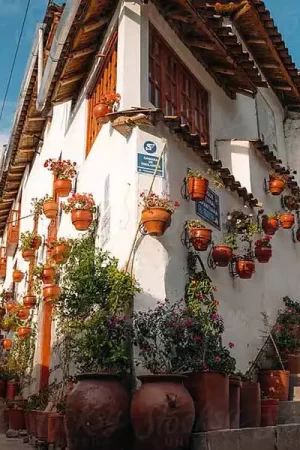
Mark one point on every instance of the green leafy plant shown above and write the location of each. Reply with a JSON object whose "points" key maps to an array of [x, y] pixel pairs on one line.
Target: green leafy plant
{"points": [[278, 176], [264, 242], [62, 169], [195, 224], [37, 206], [27, 240], [230, 240], [195, 174], [151, 200]]}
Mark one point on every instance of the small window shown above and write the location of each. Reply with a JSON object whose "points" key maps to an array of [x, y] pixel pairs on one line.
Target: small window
{"points": [[106, 84], [174, 89]]}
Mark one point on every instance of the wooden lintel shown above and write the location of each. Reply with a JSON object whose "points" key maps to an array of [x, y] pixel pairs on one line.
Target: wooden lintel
{"points": [[256, 41], [93, 25], [83, 52], [266, 65], [224, 70], [72, 79], [207, 45]]}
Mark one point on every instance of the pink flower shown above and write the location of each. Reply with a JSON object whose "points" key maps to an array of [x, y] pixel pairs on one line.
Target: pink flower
{"points": [[230, 345], [218, 358], [197, 338]]}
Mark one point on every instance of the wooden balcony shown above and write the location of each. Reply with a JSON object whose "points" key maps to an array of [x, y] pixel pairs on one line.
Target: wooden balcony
{"points": [[3, 262], [13, 232]]}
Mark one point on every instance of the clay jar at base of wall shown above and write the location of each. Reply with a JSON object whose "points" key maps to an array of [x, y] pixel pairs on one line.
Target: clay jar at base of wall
{"points": [[97, 413], [162, 413], [210, 392], [250, 405]]}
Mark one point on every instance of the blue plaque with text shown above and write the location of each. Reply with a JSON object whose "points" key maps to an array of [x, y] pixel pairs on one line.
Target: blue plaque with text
{"points": [[209, 209]]}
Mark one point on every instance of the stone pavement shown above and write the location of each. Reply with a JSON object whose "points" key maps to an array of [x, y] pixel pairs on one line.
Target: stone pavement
{"points": [[12, 444]]}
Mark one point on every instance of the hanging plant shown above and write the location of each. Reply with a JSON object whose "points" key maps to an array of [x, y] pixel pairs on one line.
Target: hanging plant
{"points": [[245, 267], [60, 249], [18, 276], [64, 171], [199, 235], [241, 224], [157, 213], [277, 182], [105, 106], [292, 202], [51, 293], [82, 208], [23, 313], [44, 274], [7, 344], [50, 207], [287, 220], [11, 322], [263, 249], [223, 252], [29, 301], [197, 185], [29, 243], [270, 223], [37, 206]]}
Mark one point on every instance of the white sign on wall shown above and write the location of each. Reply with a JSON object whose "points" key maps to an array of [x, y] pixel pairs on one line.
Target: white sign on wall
{"points": [[148, 156]]}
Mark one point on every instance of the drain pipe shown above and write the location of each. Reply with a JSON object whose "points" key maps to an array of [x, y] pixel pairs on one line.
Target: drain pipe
{"points": [[40, 56], [62, 32]]}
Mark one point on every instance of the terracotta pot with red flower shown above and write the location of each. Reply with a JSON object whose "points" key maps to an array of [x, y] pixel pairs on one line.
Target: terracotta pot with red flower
{"points": [[223, 252], [23, 332], [30, 242], [105, 106], [51, 293], [7, 344], [245, 267], [50, 207], [199, 235], [29, 301], [197, 185], [18, 276], [11, 306], [82, 208], [263, 249], [277, 182], [275, 384], [270, 224], [157, 213], [287, 220], [60, 249], [64, 171], [23, 313]]}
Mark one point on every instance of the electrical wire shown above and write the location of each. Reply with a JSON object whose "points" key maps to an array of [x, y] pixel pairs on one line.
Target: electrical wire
{"points": [[15, 58]]}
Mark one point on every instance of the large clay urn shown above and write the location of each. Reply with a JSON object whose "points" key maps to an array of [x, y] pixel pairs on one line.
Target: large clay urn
{"points": [[250, 405], [162, 413], [97, 413]]}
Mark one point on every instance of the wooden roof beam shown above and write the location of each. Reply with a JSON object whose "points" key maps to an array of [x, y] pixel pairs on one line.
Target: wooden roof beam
{"points": [[94, 25], [207, 45], [72, 79], [201, 23], [82, 53]]}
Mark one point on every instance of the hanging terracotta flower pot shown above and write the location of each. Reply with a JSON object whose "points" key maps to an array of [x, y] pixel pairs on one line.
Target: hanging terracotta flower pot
{"points": [[60, 253], [275, 383], [50, 208], [100, 110], [263, 254], [221, 255], [7, 344], [197, 188], [200, 238], [156, 220], [23, 313], [287, 220], [250, 405], [48, 275], [245, 268], [234, 402], [270, 225], [210, 392], [269, 412], [29, 301], [28, 255], [161, 400], [62, 187], [10, 307], [36, 242], [81, 219], [51, 293], [18, 276], [23, 332], [109, 398], [276, 186]]}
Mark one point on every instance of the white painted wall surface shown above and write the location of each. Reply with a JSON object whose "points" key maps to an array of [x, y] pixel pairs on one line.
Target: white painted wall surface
{"points": [[160, 264]]}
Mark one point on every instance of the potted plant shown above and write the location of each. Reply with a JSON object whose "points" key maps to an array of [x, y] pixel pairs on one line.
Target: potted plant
{"points": [[64, 171], [7, 343], [56, 422], [270, 224], [23, 331], [269, 411], [157, 213], [10, 306], [23, 313], [37, 206], [160, 335], [105, 106], [250, 402], [28, 245], [277, 182], [50, 207], [263, 249], [199, 235], [223, 252], [29, 300], [60, 249], [245, 267], [51, 293], [18, 276], [292, 202], [197, 185], [82, 207], [287, 220], [275, 384]]}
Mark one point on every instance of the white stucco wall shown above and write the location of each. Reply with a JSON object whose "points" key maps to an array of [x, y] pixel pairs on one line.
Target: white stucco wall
{"points": [[110, 174]]}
